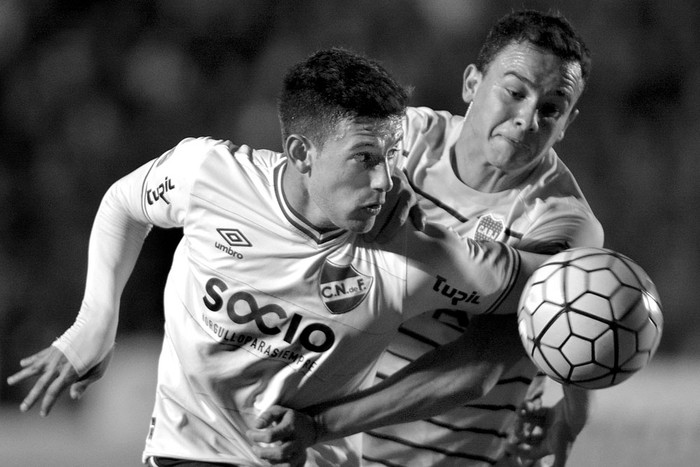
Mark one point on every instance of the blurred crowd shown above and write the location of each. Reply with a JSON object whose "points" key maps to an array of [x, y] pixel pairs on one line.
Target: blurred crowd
{"points": [[92, 89]]}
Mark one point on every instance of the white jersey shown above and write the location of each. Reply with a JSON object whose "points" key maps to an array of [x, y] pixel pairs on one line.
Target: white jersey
{"points": [[261, 308], [546, 213]]}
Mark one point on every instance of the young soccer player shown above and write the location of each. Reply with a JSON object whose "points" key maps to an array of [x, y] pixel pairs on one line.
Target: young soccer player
{"points": [[490, 175], [273, 297]]}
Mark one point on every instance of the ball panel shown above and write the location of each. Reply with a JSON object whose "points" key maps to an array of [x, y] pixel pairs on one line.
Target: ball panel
{"points": [[648, 337], [590, 372], [627, 346], [605, 381], [604, 349], [577, 350], [555, 332], [543, 316], [592, 301], [554, 288], [636, 362], [552, 362], [576, 282], [586, 325], [602, 282]]}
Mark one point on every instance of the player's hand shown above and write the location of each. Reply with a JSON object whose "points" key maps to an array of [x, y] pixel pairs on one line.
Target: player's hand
{"points": [[55, 374], [542, 437], [400, 205], [282, 436]]}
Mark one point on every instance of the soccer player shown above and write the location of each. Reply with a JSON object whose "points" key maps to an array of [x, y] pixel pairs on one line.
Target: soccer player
{"points": [[273, 296], [492, 175]]}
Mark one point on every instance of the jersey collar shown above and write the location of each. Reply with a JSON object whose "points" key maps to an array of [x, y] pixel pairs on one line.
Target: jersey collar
{"points": [[296, 219]]}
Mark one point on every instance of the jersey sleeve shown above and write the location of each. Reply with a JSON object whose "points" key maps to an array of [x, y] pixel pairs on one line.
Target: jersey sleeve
{"points": [[164, 185], [157, 193], [564, 223], [447, 271]]}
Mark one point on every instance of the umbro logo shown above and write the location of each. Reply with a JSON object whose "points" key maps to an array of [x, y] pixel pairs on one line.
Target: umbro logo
{"points": [[233, 238]]}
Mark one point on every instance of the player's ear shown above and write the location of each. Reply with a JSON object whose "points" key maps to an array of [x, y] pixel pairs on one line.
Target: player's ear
{"points": [[297, 148], [572, 116], [470, 82]]}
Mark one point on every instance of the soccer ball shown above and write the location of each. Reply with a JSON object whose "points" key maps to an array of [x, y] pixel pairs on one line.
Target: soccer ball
{"points": [[590, 317]]}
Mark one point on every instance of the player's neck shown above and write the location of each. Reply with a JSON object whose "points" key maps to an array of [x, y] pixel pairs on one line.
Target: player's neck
{"points": [[483, 177], [299, 201]]}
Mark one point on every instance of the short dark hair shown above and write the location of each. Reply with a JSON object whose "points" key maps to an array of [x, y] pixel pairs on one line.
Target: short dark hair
{"points": [[334, 84], [548, 31]]}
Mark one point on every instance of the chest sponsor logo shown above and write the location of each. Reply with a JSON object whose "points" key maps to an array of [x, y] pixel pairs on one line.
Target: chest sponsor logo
{"points": [[489, 227], [267, 330], [343, 288]]}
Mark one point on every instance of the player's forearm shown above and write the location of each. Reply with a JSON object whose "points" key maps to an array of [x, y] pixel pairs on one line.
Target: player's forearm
{"points": [[531, 261], [577, 405], [447, 377], [115, 242]]}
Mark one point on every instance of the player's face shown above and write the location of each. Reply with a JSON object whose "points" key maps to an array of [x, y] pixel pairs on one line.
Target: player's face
{"points": [[351, 174], [520, 106]]}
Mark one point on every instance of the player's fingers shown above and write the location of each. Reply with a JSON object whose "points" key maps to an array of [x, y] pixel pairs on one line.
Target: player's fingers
{"points": [[66, 377], [78, 389], [290, 454], [38, 389], [31, 366], [23, 374], [262, 435], [25, 362], [418, 218], [269, 417]]}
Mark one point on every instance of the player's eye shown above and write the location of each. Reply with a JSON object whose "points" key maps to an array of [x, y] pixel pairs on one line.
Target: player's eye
{"points": [[550, 111], [367, 159], [515, 94], [393, 154]]}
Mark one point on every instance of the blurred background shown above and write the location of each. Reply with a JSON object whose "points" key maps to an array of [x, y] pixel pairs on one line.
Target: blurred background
{"points": [[89, 90]]}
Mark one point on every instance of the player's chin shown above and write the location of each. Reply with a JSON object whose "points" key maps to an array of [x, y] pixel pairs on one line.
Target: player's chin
{"points": [[361, 225]]}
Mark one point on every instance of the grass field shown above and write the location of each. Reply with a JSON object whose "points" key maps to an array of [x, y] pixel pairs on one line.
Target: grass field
{"points": [[651, 420]]}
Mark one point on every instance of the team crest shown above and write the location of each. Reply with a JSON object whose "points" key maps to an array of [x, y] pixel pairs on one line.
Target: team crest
{"points": [[489, 227], [342, 288]]}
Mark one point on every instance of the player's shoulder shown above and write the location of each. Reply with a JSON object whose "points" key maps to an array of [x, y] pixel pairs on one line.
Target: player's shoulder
{"points": [[553, 178], [432, 126], [555, 197], [219, 151], [193, 147], [427, 120]]}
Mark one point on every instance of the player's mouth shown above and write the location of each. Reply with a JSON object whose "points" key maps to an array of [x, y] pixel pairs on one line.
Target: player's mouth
{"points": [[373, 209], [519, 144]]}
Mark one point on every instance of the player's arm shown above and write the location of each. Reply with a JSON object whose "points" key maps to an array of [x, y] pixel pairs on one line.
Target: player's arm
{"points": [[444, 378], [549, 432], [115, 241], [458, 372], [121, 224], [448, 376]]}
